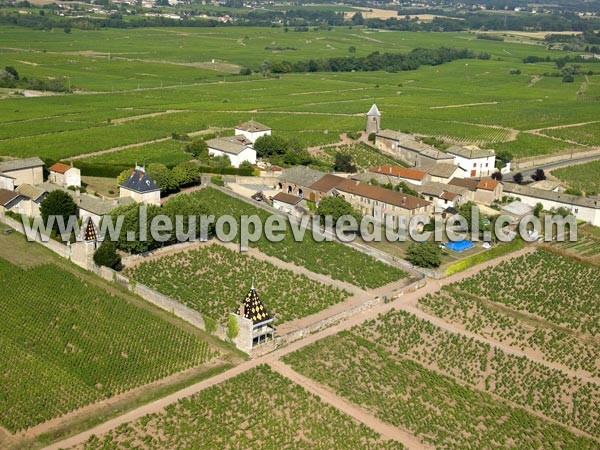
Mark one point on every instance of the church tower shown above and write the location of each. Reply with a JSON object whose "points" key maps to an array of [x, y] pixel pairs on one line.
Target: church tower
{"points": [[373, 120]]}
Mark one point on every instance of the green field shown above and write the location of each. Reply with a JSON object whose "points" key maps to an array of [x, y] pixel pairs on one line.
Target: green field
{"points": [[213, 280], [148, 70], [585, 177], [257, 409], [62, 352]]}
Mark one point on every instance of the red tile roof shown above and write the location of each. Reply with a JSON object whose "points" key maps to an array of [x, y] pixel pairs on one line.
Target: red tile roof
{"points": [[7, 196], [287, 198], [388, 196], [399, 171], [488, 184], [326, 183], [59, 167]]}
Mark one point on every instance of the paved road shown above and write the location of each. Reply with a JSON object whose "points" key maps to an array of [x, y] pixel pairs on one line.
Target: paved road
{"points": [[546, 167]]}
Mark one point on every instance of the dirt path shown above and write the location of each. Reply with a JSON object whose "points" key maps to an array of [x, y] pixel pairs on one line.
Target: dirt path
{"points": [[146, 116], [558, 127], [386, 430], [464, 105]]}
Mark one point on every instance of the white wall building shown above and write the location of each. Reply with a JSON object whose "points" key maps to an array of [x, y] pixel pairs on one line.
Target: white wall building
{"points": [[237, 148], [252, 130], [475, 161], [27, 170], [64, 175], [140, 187]]}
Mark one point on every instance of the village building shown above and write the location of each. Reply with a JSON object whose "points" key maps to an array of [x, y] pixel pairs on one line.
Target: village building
{"points": [[485, 191], [254, 321], [94, 208], [324, 187], [140, 187], [443, 196], [10, 201], [237, 148], [442, 172], [408, 149], [477, 162], [33, 197], [64, 175], [586, 209], [399, 173], [297, 181], [252, 130], [286, 203], [381, 203], [7, 182], [548, 185], [373, 120], [27, 170], [517, 210]]}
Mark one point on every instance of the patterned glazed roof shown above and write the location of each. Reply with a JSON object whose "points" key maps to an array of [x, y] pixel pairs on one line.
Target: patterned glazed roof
{"points": [[252, 308]]}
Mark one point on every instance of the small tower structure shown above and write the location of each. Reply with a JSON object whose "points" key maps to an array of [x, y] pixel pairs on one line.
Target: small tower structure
{"points": [[373, 120]]}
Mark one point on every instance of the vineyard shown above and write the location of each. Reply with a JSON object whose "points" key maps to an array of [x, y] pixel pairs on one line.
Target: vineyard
{"points": [[587, 244], [257, 409], [585, 134], [213, 280], [62, 352], [583, 177], [369, 367], [550, 287], [363, 156], [485, 319], [329, 258]]}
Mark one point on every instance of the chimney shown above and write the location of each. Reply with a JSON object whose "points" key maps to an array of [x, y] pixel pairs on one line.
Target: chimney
{"points": [[400, 190], [403, 200]]}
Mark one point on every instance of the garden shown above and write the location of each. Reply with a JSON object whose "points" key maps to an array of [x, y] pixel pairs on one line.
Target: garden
{"points": [[62, 352], [257, 409], [213, 280]]}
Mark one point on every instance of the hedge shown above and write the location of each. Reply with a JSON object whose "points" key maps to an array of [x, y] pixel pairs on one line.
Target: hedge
{"points": [[499, 250], [113, 170]]}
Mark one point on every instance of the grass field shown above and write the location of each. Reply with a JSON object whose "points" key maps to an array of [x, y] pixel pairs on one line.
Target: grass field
{"points": [[585, 177], [213, 280], [258, 409], [151, 70], [63, 352]]}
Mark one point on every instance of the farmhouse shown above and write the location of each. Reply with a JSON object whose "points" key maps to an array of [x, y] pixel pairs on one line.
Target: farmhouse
{"points": [[324, 187], [252, 130], [380, 203], [442, 172], [95, 208], [140, 187], [477, 162], [33, 196], [237, 148], [399, 173], [64, 175], [407, 148], [586, 209], [297, 181], [28, 170], [286, 202], [10, 201], [442, 195], [485, 191]]}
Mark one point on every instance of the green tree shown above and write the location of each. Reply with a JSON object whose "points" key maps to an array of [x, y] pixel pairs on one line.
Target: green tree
{"points": [[233, 328], [186, 173], [107, 255], [343, 163], [270, 145], [163, 177], [198, 148], [538, 209], [357, 19], [12, 71], [58, 203], [336, 207], [221, 161], [424, 254], [123, 176]]}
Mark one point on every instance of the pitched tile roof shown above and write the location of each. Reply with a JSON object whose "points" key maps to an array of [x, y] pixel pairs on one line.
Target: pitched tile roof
{"points": [[287, 198], [399, 171], [468, 183], [326, 183], [409, 142], [488, 184], [442, 170], [29, 191], [441, 190], [301, 176], [140, 181], [18, 164], [516, 190], [59, 167], [252, 126], [7, 196], [470, 152], [388, 196], [252, 308], [229, 144], [100, 207]]}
